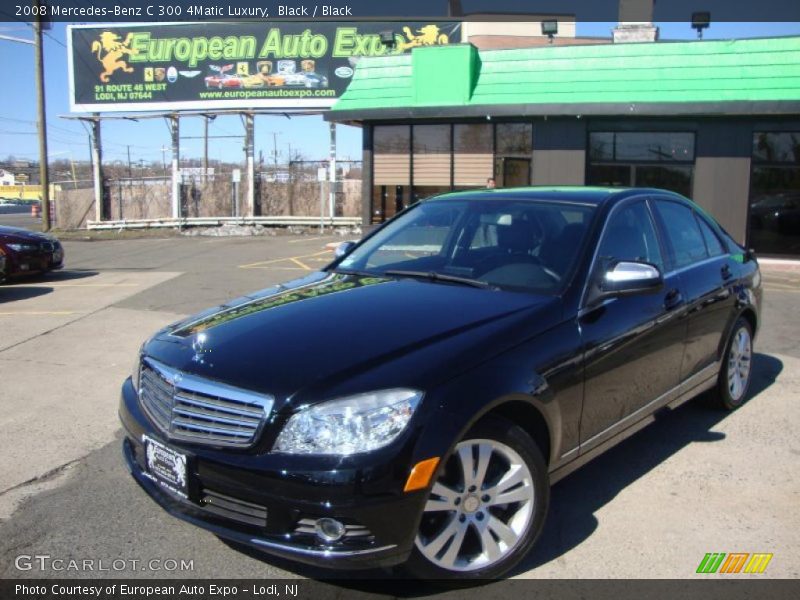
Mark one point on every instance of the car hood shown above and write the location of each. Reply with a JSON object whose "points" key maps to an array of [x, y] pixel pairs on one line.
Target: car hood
{"points": [[329, 327], [17, 234]]}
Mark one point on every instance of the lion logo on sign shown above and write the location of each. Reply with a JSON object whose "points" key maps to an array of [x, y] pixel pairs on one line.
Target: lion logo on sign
{"points": [[426, 36], [114, 51]]}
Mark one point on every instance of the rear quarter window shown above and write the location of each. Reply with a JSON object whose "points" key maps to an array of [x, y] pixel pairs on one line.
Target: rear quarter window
{"points": [[683, 233]]}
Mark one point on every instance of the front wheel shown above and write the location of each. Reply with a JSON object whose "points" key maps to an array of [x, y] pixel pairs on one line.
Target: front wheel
{"points": [[487, 507]]}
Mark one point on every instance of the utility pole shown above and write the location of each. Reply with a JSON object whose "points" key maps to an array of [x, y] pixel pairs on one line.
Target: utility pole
{"points": [[205, 147], [97, 169], [164, 159], [130, 171], [175, 132], [42, 123], [332, 175], [249, 147], [275, 135]]}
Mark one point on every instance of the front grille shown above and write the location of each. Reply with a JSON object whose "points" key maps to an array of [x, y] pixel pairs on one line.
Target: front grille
{"points": [[189, 408], [234, 508], [156, 394]]}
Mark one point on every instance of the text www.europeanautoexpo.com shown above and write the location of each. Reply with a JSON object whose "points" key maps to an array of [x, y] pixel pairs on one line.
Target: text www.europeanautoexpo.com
{"points": [[244, 94], [46, 562]]}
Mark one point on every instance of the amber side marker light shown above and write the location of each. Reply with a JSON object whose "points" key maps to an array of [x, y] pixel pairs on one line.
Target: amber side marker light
{"points": [[421, 474]]}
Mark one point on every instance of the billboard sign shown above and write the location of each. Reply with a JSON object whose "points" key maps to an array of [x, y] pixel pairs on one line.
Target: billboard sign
{"points": [[282, 65]]}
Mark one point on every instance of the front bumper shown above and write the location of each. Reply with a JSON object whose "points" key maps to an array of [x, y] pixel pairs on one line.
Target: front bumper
{"points": [[30, 262], [279, 495]]}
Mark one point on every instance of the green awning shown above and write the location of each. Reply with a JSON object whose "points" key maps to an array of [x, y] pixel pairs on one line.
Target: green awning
{"points": [[757, 76]]}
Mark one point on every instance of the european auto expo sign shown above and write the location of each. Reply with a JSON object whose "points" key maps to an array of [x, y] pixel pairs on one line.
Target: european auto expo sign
{"points": [[281, 65]]}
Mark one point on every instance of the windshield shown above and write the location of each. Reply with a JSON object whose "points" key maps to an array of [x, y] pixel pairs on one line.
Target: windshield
{"points": [[524, 245]]}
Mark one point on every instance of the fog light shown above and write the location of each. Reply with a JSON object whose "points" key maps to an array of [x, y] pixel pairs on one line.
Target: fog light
{"points": [[329, 530]]}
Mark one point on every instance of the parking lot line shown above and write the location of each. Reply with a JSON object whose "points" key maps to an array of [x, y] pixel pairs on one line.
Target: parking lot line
{"points": [[15, 313], [263, 264], [64, 285], [302, 265]]}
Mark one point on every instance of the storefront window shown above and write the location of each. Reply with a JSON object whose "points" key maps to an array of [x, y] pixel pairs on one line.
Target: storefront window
{"points": [[645, 159], [513, 172], [514, 149], [431, 160], [472, 154], [431, 139], [392, 139], [642, 146], [675, 178], [391, 190], [388, 200], [776, 147], [514, 139], [775, 194]]}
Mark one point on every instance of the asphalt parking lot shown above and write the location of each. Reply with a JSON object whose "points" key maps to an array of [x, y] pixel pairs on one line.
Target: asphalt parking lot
{"points": [[696, 481]]}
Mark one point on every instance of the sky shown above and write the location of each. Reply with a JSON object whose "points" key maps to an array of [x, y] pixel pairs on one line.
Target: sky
{"points": [[149, 140]]}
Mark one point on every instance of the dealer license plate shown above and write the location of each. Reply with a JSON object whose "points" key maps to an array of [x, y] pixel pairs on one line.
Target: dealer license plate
{"points": [[165, 466]]}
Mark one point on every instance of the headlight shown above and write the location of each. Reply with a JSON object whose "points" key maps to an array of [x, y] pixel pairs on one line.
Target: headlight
{"points": [[136, 371], [23, 247], [350, 425]]}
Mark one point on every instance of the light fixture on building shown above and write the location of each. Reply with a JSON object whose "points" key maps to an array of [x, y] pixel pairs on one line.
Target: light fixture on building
{"points": [[550, 28], [700, 21], [387, 38]]}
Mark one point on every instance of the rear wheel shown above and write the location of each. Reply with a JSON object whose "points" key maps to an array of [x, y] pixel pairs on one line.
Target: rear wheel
{"points": [[487, 507], [736, 371]]}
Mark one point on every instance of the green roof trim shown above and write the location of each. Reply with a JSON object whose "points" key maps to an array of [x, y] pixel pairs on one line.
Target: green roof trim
{"points": [[614, 76]]}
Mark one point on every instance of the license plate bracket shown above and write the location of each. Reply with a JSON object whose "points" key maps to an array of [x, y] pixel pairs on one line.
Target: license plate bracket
{"points": [[166, 466]]}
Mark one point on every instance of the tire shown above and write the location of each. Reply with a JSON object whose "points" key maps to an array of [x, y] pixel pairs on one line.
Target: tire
{"points": [[464, 533], [736, 371]]}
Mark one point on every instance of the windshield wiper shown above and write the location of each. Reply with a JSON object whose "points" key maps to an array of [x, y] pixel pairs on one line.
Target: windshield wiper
{"points": [[353, 272], [433, 276]]}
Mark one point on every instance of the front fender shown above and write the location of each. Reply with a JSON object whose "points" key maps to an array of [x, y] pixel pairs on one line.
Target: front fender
{"points": [[545, 373]]}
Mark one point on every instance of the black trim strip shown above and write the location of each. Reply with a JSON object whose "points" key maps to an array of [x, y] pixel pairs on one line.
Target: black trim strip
{"points": [[744, 107]]}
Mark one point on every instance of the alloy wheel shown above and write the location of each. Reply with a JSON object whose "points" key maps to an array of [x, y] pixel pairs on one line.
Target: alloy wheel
{"points": [[739, 362], [479, 509]]}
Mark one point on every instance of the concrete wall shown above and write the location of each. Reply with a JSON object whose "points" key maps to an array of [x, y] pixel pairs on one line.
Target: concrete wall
{"points": [[72, 208]]}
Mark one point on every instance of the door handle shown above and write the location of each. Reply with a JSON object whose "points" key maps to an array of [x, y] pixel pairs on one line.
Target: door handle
{"points": [[726, 272], [672, 299]]}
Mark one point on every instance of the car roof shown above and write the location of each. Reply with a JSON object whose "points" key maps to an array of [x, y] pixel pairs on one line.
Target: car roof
{"points": [[577, 194]]}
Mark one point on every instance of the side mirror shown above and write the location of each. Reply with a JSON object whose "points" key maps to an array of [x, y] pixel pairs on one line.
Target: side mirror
{"points": [[344, 248], [628, 277]]}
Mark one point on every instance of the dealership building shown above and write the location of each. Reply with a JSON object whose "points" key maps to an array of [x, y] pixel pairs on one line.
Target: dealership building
{"points": [[718, 121]]}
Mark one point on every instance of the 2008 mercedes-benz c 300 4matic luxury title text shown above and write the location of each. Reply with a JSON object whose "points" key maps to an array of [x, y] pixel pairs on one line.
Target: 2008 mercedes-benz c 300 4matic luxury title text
{"points": [[414, 400]]}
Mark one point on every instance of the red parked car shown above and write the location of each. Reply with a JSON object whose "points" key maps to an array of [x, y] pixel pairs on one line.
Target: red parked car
{"points": [[223, 81], [29, 252]]}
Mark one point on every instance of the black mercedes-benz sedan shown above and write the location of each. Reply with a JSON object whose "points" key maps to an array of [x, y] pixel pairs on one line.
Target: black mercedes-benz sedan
{"points": [[413, 401]]}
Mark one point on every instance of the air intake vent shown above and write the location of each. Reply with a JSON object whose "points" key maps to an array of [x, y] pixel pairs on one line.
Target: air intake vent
{"points": [[234, 508]]}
